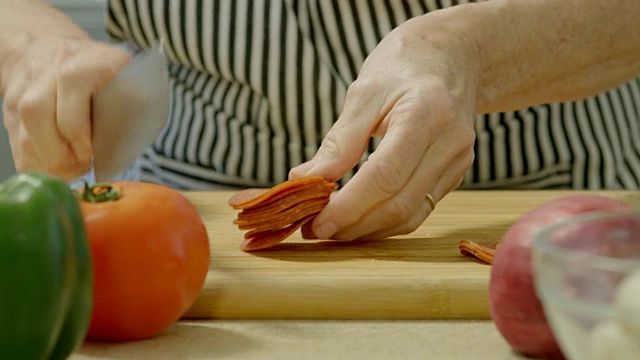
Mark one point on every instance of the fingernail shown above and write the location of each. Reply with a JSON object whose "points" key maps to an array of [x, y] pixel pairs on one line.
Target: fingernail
{"points": [[325, 230], [302, 169]]}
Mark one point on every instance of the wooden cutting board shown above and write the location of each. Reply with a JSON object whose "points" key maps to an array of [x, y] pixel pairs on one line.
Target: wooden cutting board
{"points": [[417, 276]]}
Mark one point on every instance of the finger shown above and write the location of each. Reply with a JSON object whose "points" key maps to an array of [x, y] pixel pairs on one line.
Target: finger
{"points": [[78, 81], [383, 175], [418, 217], [444, 185], [37, 112], [345, 143], [24, 156], [410, 225], [436, 174], [74, 115], [440, 170], [407, 205]]}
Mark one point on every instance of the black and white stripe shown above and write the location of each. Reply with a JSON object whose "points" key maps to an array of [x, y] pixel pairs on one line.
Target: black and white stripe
{"points": [[255, 84]]}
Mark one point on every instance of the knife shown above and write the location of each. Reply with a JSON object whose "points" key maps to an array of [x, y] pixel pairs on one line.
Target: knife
{"points": [[128, 114]]}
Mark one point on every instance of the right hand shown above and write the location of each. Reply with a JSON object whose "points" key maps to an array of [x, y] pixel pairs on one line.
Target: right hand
{"points": [[48, 86]]}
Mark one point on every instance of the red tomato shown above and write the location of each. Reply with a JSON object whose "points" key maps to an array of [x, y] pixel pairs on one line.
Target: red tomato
{"points": [[150, 253]]}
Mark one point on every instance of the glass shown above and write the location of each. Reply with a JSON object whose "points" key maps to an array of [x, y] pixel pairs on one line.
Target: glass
{"points": [[579, 266]]}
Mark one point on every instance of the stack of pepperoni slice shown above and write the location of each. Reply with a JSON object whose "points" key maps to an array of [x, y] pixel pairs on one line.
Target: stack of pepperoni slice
{"points": [[271, 215]]}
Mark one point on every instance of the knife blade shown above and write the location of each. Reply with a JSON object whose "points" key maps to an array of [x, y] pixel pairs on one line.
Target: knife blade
{"points": [[129, 113]]}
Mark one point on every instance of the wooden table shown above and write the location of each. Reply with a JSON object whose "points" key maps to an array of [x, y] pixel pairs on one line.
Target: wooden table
{"points": [[353, 295]]}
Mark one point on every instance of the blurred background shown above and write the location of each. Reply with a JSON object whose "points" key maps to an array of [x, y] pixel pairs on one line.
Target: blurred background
{"points": [[89, 14]]}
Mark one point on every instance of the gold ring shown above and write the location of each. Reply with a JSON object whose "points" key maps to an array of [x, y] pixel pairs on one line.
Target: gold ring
{"points": [[431, 201]]}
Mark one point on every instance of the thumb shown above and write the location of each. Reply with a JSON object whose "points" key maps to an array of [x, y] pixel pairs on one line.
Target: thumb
{"points": [[343, 146], [340, 151]]}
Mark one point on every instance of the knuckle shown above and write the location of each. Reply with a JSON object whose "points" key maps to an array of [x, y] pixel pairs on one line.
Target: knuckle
{"points": [[70, 132], [67, 53], [29, 107], [90, 65], [364, 89], [470, 158], [386, 178], [24, 142], [462, 139], [67, 169], [467, 137], [465, 148], [10, 102], [358, 86], [331, 147], [71, 74], [11, 123], [437, 95], [401, 209], [413, 223], [114, 56], [66, 50], [439, 90]]}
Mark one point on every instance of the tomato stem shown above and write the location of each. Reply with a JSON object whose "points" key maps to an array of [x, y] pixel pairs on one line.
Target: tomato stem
{"points": [[98, 193]]}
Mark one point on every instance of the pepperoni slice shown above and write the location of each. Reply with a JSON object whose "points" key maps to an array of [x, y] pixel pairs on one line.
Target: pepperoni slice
{"points": [[284, 218], [480, 251], [265, 239], [249, 198], [303, 194], [272, 215]]}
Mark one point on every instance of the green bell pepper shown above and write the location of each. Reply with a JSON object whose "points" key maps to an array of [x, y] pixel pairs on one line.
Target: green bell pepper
{"points": [[46, 273]]}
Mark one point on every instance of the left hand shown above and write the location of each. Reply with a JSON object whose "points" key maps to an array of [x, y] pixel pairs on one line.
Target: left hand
{"points": [[417, 89]]}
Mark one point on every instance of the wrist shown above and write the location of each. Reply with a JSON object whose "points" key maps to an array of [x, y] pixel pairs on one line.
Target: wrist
{"points": [[478, 26], [451, 42]]}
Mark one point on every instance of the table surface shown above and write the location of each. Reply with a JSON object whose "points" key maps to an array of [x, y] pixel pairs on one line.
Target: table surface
{"points": [[348, 338], [314, 339]]}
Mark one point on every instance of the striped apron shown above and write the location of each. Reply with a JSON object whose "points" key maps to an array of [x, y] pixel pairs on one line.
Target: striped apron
{"points": [[255, 85]]}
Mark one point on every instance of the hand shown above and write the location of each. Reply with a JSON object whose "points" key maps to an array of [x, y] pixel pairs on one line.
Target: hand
{"points": [[417, 90], [48, 86]]}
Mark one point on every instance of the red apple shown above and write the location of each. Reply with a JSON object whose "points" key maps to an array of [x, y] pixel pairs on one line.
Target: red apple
{"points": [[515, 307]]}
